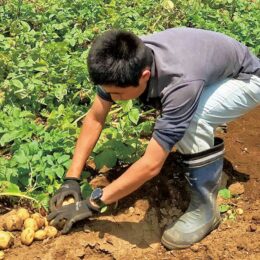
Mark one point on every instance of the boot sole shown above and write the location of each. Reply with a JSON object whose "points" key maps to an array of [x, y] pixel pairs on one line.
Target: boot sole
{"points": [[170, 245]]}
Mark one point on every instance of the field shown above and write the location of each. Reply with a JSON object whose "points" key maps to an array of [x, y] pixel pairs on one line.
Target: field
{"points": [[45, 93], [133, 229]]}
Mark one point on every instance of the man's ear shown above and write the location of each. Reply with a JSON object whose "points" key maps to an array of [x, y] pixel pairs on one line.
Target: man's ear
{"points": [[146, 74]]}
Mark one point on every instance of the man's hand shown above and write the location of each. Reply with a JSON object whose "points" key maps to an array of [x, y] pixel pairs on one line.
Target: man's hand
{"points": [[70, 187], [71, 213]]}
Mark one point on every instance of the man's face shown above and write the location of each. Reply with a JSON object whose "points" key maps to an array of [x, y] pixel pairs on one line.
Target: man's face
{"points": [[131, 92]]}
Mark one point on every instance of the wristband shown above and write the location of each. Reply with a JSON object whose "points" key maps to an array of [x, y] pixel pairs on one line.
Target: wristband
{"points": [[72, 179]]}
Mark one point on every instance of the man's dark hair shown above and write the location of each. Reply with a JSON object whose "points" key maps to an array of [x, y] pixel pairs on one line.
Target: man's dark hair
{"points": [[118, 58]]}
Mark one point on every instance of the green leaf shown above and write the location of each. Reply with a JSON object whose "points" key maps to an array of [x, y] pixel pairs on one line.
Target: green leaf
{"points": [[59, 170], [224, 208], [17, 83], [86, 190], [43, 199], [41, 69], [60, 91], [64, 158], [146, 127], [126, 105], [85, 175], [134, 115], [106, 158], [103, 209], [6, 186], [8, 137], [20, 157], [224, 193]]}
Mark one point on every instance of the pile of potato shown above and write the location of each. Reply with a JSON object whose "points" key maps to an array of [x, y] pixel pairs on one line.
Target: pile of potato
{"points": [[33, 227]]}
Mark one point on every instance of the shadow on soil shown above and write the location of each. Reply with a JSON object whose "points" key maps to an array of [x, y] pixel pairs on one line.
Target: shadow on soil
{"points": [[168, 189]]}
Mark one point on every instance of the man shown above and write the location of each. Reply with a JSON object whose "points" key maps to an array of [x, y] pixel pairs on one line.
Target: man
{"points": [[203, 79]]}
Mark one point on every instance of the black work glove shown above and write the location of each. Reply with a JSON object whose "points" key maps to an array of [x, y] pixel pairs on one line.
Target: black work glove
{"points": [[72, 213], [70, 187]]}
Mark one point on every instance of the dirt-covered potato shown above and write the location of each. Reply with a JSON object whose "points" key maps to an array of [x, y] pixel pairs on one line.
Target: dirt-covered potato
{"points": [[60, 224], [39, 219], [14, 222], [46, 223], [31, 223], [40, 235], [23, 213], [68, 200], [51, 231], [6, 239], [27, 236], [2, 255]]}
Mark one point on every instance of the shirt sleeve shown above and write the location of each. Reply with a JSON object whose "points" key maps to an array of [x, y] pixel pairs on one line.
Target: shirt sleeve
{"points": [[103, 94], [179, 104]]}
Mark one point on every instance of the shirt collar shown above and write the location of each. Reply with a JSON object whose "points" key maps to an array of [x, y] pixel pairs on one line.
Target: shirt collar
{"points": [[153, 81]]}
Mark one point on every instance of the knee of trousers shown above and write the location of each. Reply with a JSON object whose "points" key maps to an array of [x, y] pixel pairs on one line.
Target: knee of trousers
{"points": [[198, 137], [205, 157]]}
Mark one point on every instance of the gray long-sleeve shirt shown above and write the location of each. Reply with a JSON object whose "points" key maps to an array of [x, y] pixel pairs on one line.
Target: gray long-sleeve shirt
{"points": [[185, 61]]}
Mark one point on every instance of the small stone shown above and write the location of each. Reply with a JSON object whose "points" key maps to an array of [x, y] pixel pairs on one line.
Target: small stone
{"points": [[236, 188], [86, 229], [251, 228], [195, 248], [239, 211], [131, 210], [154, 245], [229, 212], [109, 240]]}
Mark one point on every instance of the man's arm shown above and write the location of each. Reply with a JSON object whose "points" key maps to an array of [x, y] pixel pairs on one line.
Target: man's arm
{"points": [[147, 167], [89, 134]]}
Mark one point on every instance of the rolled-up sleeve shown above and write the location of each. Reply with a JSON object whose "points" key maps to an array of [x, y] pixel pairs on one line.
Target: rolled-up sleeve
{"points": [[179, 104]]}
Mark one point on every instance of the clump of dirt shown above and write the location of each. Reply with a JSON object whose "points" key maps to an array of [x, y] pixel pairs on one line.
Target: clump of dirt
{"points": [[236, 188], [133, 229]]}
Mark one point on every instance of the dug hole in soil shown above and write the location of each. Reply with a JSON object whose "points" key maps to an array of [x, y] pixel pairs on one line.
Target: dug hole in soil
{"points": [[133, 229]]}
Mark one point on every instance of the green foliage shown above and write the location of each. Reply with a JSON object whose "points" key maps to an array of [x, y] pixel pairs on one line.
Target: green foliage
{"points": [[45, 88], [224, 208], [225, 193]]}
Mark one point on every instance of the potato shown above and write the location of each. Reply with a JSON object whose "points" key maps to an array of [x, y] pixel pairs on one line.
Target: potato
{"points": [[31, 223], [27, 236], [51, 231], [6, 239], [39, 219], [23, 213], [60, 224], [68, 200], [46, 223], [239, 211], [2, 255], [40, 235], [14, 222]]}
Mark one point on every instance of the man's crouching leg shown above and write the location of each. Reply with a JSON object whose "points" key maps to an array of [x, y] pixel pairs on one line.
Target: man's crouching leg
{"points": [[203, 171]]}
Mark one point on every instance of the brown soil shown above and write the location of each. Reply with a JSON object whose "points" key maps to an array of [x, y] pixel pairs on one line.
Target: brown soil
{"points": [[133, 229]]}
